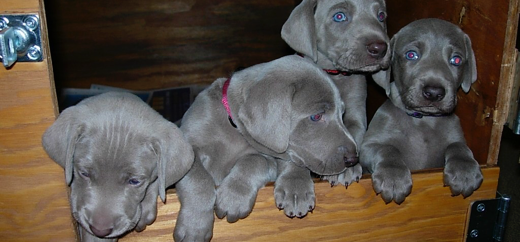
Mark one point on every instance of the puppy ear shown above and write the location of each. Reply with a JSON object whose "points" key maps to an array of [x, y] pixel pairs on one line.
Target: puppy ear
{"points": [[175, 157], [470, 68], [266, 115], [382, 77], [59, 140], [299, 30]]}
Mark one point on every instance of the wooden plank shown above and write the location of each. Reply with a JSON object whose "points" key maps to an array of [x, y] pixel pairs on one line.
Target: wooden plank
{"points": [[33, 194], [505, 87], [162, 43], [430, 213]]}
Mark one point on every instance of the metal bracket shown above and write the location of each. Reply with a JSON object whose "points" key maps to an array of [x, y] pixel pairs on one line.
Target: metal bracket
{"points": [[20, 39], [487, 219]]}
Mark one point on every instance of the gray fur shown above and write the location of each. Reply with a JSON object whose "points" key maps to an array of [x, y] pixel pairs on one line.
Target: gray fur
{"points": [[275, 140], [397, 143], [103, 143], [311, 31]]}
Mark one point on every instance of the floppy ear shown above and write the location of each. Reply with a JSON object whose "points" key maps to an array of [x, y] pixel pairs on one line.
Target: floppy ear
{"points": [[266, 115], [382, 77], [59, 140], [175, 158], [299, 31], [470, 68]]}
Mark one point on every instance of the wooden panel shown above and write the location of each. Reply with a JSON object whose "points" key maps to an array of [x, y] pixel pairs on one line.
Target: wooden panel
{"points": [[492, 27], [33, 194], [162, 43], [354, 214]]}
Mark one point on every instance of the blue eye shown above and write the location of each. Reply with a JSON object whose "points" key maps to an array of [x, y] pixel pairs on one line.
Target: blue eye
{"points": [[381, 16], [456, 60], [412, 55], [316, 117], [134, 182], [340, 17]]}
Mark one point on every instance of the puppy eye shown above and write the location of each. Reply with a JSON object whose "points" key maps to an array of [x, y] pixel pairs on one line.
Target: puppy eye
{"points": [[339, 17], [381, 16], [85, 174], [316, 117], [411, 55], [134, 182], [456, 60]]}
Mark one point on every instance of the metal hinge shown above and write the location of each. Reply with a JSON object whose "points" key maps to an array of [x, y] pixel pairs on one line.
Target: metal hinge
{"points": [[487, 219], [20, 39]]}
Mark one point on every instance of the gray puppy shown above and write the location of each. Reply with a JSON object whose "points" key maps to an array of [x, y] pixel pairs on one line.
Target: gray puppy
{"points": [[118, 155], [275, 121], [347, 38], [416, 128]]}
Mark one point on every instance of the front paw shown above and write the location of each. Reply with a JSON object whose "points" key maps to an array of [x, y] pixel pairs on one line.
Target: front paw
{"points": [[463, 177], [350, 175], [194, 226], [393, 182], [235, 200], [295, 196]]}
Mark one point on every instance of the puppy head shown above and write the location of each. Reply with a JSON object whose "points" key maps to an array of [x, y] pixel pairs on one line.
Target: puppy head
{"points": [[351, 34], [292, 108], [115, 151], [431, 59]]}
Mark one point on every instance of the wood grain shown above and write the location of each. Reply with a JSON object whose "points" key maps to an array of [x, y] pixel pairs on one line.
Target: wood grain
{"points": [[430, 213], [33, 195]]}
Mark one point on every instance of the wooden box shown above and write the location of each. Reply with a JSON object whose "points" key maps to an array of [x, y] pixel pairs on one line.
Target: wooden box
{"points": [[165, 43]]}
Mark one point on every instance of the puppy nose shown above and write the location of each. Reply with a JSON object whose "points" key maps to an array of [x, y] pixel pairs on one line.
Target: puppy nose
{"points": [[100, 232], [351, 161], [377, 49], [434, 94]]}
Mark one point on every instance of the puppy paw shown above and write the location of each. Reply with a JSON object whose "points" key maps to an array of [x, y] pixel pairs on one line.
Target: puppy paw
{"points": [[462, 176], [349, 176], [235, 200], [295, 196], [392, 182], [194, 226]]}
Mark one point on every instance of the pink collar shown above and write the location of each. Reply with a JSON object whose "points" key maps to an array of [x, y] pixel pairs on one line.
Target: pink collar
{"points": [[225, 101]]}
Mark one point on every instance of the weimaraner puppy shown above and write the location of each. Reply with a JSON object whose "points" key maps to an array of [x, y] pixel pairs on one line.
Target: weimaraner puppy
{"points": [[347, 38], [416, 128], [274, 121], [118, 155]]}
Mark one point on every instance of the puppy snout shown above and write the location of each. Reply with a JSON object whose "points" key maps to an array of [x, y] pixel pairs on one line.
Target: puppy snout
{"points": [[351, 161], [377, 49], [100, 232], [434, 94]]}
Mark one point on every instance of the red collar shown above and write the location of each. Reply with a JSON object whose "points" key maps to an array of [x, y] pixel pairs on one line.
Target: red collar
{"points": [[332, 72], [225, 101]]}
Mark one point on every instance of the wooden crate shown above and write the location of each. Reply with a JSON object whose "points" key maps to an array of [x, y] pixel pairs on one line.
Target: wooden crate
{"points": [[163, 43]]}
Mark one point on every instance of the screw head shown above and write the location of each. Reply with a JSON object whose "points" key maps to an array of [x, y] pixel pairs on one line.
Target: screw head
{"points": [[474, 233], [4, 22], [481, 207], [34, 53], [31, 22]]}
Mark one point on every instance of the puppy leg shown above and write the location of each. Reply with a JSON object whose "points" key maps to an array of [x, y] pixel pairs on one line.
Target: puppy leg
{"points": [[196, 193], [461, 172], [354, 94], [390, 176], [294, 189], [237, 193], [148, 206], [88, 237], [353, 91], [349, 176]]}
